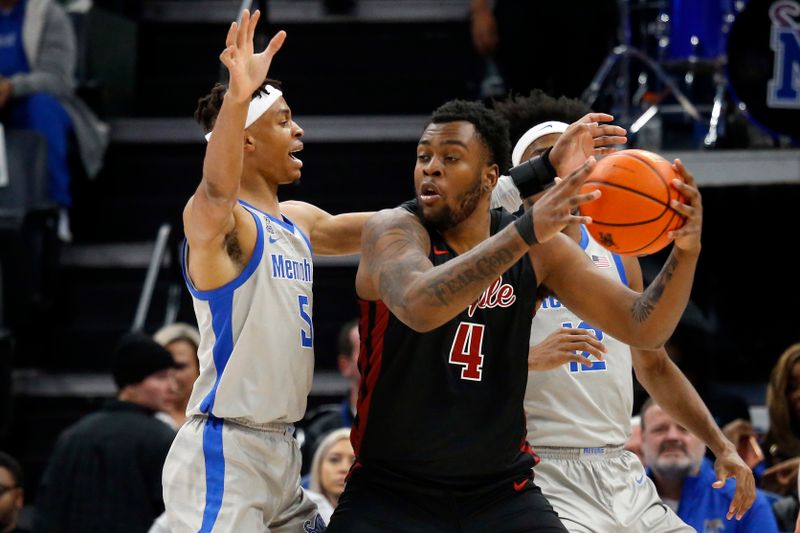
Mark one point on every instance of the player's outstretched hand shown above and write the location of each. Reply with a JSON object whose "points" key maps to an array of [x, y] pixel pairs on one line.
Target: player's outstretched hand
{"points": [[563, 346], [687, 237], [728, 465], [584, 138], [247, 69], [554, 210]]}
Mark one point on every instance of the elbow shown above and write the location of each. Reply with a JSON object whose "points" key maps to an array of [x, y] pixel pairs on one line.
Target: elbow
{"points": [[647, 340], [424, 326], [419, 323], [419, 318], [219, 193]]}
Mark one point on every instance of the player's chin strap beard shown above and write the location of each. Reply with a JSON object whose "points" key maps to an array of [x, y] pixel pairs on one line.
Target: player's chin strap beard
{"points": [[258, 106]]}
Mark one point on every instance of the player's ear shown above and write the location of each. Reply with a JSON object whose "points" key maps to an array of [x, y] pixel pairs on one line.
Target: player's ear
{"points": [[249, 142], [490, 177]]}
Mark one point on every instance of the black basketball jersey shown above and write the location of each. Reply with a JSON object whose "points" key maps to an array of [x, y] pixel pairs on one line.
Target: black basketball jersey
{"points": [[445, 408]]}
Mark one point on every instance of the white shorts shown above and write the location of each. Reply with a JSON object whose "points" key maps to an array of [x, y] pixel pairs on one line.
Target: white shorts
{"points": [[600, 490], [232, 476]]}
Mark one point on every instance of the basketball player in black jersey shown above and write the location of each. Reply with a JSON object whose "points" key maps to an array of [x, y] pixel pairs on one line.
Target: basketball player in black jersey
{"points": [[448, 289]]}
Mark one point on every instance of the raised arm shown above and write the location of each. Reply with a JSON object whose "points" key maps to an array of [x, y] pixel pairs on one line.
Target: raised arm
{"points": [[643, 320], [589, 136], [664, 381], [395, 268], [208, 216], [329, 234]]}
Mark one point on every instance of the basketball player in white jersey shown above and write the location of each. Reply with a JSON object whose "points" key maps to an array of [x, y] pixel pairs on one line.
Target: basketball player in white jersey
{"points": [[579, 395], [234, 466]]}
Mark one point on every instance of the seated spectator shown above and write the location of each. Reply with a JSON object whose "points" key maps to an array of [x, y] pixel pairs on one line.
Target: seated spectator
{"points": [[329, 468], [326, 418], [38, 56], [686, 481], [182, 341], [105, 472], [782, 441], [12, 493]]}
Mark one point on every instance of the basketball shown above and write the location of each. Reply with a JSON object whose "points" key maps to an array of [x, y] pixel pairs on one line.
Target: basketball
{"points": [[633, 216]]}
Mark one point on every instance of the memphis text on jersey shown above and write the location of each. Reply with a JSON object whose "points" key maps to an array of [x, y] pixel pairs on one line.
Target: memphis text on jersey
{"points": [[288, 268]]}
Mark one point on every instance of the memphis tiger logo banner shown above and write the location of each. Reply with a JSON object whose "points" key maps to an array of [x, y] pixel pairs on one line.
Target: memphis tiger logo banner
{"points": [[783, 90]]}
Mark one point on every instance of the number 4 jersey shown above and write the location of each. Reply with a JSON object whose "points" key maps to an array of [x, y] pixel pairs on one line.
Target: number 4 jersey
{"points": [[574, 405], [256, 340], [445, 408]]}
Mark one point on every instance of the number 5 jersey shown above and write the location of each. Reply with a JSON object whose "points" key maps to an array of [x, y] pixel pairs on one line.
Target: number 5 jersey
{"points": [[256, 351]]}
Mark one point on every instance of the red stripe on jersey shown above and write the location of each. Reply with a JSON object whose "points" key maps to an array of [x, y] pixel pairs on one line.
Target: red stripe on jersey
{"points": [[526, 448], [371, 328]]}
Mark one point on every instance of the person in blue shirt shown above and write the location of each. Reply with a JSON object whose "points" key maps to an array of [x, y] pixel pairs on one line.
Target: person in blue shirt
{"points": [[38, 57], [686, 480]]}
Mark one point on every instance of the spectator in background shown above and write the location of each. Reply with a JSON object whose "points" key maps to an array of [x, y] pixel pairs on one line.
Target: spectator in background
{"points": [[686, 480], [105, 472], [38, 56], [182, 341], [782, 441], [12, 493], [502, 33], [329, 468], [326, 418]]}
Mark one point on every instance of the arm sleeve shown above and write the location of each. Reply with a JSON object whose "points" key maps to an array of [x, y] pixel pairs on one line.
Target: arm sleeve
{"points": [[506, 195], [52, 70]]}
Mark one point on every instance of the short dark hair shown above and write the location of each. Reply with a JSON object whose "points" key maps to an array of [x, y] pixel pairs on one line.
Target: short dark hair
{"points": [[343, 341], [525, 112], [209, 105], [11, 464], [491, 127]]}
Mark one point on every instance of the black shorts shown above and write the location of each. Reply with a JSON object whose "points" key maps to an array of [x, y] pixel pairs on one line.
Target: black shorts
{"points": [[373, 504]]}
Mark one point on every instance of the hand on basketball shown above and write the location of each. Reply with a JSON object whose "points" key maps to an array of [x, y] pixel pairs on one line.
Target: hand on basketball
{"points": [[688, 236], [727, 465], [563, 346], [247, 70], [554, 210], [585, 138]]}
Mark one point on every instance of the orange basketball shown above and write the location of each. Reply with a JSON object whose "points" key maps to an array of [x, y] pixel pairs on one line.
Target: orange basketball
{"points": [[633, 215]]}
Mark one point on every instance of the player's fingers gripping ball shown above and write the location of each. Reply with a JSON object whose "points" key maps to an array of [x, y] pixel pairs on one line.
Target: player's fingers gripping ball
{"points": [[633, 215]]}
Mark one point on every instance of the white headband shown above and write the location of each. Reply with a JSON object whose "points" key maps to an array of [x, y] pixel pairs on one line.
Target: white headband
{"points": [[258, 106], [539, 130]]}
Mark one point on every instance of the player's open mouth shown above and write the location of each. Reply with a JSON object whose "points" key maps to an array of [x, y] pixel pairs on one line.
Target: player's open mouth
{"points": [[428, 193], [294, 158]]}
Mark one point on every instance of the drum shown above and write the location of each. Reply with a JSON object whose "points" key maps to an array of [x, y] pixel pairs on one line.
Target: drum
{"points": [[696, 29], [763, 67]]}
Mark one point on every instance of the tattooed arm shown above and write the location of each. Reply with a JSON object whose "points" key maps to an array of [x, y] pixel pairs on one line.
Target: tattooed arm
{"points": [[395, 268], [643, 320]]}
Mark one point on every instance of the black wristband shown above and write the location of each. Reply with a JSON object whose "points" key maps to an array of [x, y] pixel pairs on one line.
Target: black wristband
{"points": [[533, 176], [524, 225]]}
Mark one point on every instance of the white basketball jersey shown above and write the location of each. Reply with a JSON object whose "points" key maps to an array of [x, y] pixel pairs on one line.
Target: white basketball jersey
{"points": [[574, 405], [256, 338]]}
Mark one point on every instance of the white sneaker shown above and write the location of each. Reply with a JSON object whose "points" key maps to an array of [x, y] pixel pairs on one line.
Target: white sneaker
{"points": [[64, 233]]}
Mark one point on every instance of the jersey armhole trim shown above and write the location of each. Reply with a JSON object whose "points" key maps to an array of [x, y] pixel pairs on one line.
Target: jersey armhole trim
{"points": [[620, 268], [286, 223], [584, 238], [236, 282]]}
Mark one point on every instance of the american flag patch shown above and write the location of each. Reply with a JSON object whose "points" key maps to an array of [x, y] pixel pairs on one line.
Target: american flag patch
{"points": [[601, 262]]}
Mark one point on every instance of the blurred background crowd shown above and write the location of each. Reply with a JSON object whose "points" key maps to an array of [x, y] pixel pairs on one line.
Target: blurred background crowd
{"points": [[98, 155]]}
